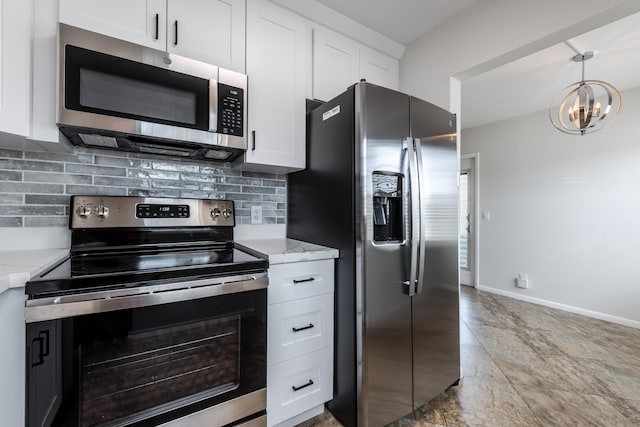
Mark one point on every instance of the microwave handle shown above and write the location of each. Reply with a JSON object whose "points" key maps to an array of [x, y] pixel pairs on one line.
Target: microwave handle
{"points": [[157, 26], [253, 139]]}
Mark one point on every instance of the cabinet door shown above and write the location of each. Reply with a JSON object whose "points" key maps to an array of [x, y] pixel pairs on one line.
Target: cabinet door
{"points": [[211, 31], [278, 52], [15, 57], [335, 64], [379, 69], [141, 21], [44, 372]]}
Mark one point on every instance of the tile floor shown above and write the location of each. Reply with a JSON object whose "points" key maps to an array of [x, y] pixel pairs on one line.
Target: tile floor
{"points": [[529, 365]]}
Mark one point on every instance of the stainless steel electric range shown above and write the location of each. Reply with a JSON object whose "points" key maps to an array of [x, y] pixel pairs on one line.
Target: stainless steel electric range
{"points": [[154, 318]]}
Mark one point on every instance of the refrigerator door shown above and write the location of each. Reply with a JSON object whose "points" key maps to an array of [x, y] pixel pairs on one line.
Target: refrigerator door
{"points": [[383, 255], [435, 306]]}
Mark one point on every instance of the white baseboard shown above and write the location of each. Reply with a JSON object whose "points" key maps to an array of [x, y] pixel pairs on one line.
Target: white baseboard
{"points": [[563, 307]]}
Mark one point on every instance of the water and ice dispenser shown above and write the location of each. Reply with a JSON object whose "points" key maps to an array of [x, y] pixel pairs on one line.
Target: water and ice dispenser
{"points": [[387, 207]]}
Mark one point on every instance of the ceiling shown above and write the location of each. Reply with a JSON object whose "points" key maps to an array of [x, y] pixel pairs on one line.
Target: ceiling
{"points": [[523, 86]]}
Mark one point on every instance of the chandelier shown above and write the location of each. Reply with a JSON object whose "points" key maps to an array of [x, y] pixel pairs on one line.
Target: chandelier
{"points": [[585, 106]]}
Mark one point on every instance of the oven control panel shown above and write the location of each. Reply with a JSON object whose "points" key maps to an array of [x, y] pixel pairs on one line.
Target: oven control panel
{"points": [[125, 211]]}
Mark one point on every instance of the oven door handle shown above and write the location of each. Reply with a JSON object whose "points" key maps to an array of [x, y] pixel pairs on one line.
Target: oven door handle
{"points": [[38, 310]]}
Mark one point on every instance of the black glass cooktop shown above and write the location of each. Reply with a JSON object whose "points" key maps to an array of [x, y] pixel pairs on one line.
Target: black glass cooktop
{"points": [[114, 270]]}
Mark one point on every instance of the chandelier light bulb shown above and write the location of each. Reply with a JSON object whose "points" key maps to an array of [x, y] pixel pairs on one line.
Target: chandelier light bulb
{"points": [[577, 109]]}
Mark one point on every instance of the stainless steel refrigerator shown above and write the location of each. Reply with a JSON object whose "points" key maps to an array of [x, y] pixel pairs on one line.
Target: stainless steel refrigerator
{"points": [[381, 186]]}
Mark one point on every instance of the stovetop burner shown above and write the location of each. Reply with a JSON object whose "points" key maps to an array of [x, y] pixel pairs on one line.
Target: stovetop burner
{"points": [[116, 244]]}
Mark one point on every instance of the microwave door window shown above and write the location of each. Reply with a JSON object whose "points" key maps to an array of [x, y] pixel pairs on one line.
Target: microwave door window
{"points": [[113, 86], [136, 98]]}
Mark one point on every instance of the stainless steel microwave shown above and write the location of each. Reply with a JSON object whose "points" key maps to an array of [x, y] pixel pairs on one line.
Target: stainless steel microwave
{"points": [[118, 95]]}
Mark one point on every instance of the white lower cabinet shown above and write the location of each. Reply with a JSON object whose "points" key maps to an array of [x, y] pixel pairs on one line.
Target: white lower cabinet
{"points": [[299, 341]]}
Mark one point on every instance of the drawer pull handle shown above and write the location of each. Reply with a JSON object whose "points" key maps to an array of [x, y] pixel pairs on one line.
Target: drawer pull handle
{"points": [[310, 279], [303, 328], [302, 386]]}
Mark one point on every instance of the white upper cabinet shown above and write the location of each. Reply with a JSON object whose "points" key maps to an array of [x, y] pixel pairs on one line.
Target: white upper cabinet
{"points": [[15, 66], [211, 31], [378, 68], [278, 63], [336, 64], [339, 62]]}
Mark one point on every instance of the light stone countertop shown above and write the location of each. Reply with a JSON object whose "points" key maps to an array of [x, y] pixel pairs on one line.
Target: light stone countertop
{"points": [[17, 267], [283, 250]]}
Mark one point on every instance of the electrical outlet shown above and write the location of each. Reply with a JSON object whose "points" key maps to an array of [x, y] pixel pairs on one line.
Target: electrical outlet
{"points": [[256, 214], [522, 281]]}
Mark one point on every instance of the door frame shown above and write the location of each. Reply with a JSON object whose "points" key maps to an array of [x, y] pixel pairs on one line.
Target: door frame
{"points": [[475, 160]]}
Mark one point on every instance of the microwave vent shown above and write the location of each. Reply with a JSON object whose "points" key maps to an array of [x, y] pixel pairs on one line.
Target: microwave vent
{"points": [[95, 140], [217, 155], [155, 149]]}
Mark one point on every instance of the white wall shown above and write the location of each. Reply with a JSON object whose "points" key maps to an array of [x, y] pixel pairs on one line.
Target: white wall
{"points": [[495, 32], [565, 209]]}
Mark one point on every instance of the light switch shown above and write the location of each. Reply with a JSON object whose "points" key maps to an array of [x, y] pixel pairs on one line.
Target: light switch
{"points": [[486, 216]]}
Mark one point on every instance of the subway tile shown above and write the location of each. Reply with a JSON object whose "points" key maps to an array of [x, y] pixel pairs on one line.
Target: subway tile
{"points": [[153, 174], [242, 180], [95, 170], [28, 187], [281, 191], [282, 206], [46, 221], [19, 210], [121, 182], [273, 183], [244, 196], [178, 167], [201, 177], [57, 177], [212, 170], [202, 195], [10, 175], [154, 193], [10, 222], [259, 175], [11, 198], [46, 199], [93, 190], [281, 220], [221, 187], [259, 190], [274, 198], [122, 162], [31, 165], [58, 157], [178, 185], [10, 153]]}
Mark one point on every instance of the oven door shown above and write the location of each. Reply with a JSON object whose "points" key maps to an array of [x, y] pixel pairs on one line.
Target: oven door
{"points": [[199, 360]]}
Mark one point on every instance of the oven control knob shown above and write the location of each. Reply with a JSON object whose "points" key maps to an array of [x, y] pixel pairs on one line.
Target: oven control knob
{"points": [[227, 213], [102, 211], [215, 213], [83, 211]]}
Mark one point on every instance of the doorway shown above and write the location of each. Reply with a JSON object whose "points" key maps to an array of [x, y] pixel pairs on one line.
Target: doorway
{"points": [[467, 227]]}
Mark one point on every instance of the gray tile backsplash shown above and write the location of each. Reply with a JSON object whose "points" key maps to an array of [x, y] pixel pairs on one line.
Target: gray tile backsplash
{"points": [[35, 186]]}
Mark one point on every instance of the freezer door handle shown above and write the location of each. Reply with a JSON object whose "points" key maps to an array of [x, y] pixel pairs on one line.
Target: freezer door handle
{"points": [[415, 215], [422, 241]]}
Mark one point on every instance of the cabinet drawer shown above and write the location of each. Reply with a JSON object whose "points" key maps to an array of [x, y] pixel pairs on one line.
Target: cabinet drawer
{"points": [[298, 385], [300, 280], [299, 327]]}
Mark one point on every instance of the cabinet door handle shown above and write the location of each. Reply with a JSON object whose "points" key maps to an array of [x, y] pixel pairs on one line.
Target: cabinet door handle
{"points": [[302, 386], [310, 279], [253, 139], [175, 40], [303, 328], [157, 26], [43, 347]]}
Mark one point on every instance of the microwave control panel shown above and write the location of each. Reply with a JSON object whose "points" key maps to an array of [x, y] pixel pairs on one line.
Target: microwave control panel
{"points": [[230, 110]]}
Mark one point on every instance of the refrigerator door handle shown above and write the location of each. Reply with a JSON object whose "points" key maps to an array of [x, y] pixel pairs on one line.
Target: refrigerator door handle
{"points": [[422, 243], [415, 216]]}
